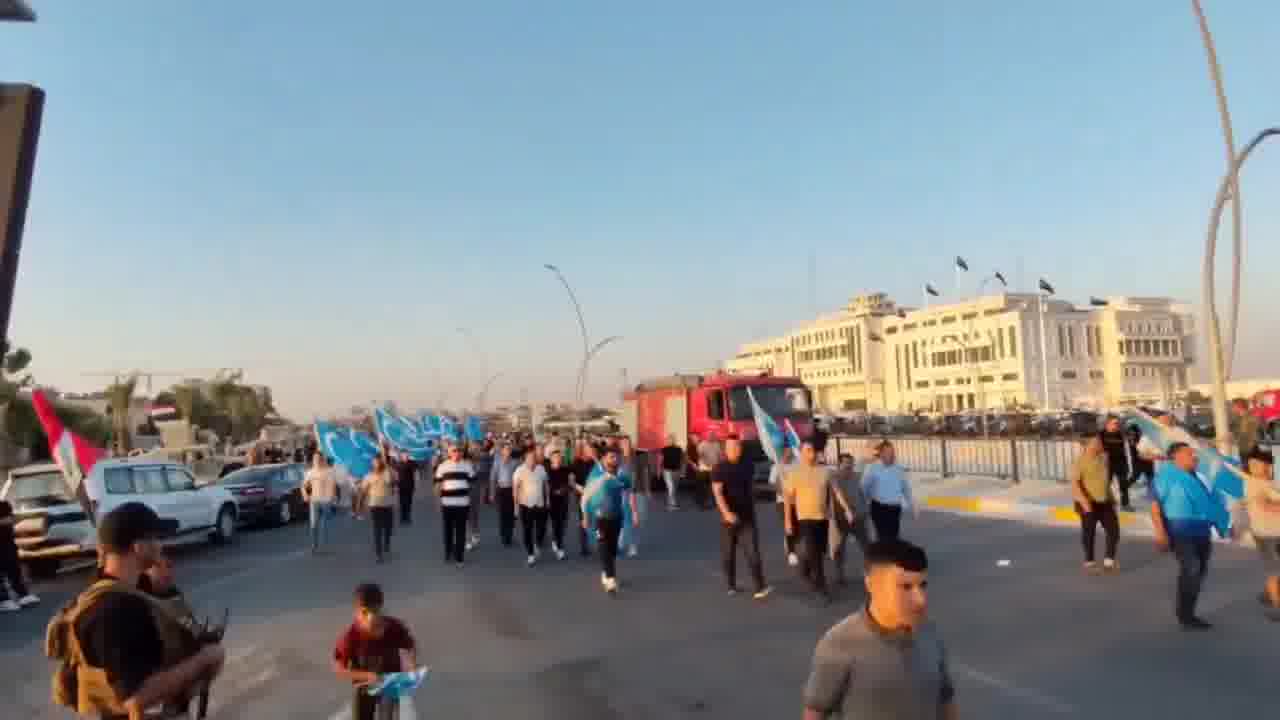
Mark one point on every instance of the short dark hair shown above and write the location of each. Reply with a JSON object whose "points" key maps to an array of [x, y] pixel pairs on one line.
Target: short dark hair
{"points": [[731, 436], [369, 596], [1261, 455], [903, 554], [1174, 447]]}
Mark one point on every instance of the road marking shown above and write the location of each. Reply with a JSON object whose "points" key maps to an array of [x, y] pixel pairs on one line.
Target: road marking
{"points": [[1031, 697], [407, 711]]}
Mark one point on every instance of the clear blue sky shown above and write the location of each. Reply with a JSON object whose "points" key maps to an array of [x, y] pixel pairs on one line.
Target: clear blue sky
{"points": [[320, 192]]}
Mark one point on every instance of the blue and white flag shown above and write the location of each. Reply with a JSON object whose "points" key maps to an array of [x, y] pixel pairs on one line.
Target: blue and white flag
{"points": [[365, 443], [431, 425], [771, 438], [397, 685], [474, 429], [403, 435], [596, 499], [337, 443], [449, 430]]}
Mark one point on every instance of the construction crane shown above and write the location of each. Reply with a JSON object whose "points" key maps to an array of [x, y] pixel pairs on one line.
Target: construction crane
{"points": [[232, 374]]}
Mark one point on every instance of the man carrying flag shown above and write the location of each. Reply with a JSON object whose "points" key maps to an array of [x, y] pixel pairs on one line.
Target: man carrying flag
{"points": [[74, 455]]}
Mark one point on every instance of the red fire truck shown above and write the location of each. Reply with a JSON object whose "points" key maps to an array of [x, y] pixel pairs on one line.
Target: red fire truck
{"points": [[695, 406], [1265, 406]]}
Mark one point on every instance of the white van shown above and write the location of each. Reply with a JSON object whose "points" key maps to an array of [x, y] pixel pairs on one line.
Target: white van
{"points": [[54, 526]]}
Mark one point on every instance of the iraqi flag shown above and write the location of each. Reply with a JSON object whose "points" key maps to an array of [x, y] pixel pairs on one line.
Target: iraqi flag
{"points": [[74, 455]]}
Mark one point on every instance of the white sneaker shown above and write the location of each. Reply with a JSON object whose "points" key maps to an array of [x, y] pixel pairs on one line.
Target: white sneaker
{"points": [[604, 581], [793, 559], [532, 559], [633, 551], [611, 585], [559, 554], [9, 606], [28, 600], [1109, 564]]}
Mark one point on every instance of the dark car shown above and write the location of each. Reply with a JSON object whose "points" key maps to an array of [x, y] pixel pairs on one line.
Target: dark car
{"points": [[267, 494]]}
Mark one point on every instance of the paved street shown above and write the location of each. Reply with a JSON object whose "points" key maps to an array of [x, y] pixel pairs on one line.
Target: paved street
{"points": [[1033, 639]]}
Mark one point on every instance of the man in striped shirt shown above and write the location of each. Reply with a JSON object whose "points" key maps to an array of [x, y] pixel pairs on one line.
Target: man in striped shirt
{"points": [[453, 485]]}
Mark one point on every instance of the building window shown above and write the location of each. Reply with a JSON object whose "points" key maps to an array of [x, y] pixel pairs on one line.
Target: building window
{"points": [[969, 316], [1000, 341], [1068, 374], [1062, 340], [948, 319], [922, 384], [1096, 375], [891, 330], [908, 326], [1009, 377], [930, 323], [915, 354], [942, 383]]}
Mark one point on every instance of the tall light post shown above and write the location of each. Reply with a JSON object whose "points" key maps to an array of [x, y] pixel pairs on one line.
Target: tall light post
{"points": [[1216, 354], [582, 326], [484, 391], [581, 389], [21, 110], [1045, 290]]}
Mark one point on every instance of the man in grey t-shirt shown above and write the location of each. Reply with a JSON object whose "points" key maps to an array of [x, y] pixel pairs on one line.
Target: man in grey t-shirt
{"points": [[886, 661]]}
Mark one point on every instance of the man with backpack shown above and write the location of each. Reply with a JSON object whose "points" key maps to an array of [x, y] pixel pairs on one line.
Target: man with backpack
{"points": [[120, 651]]}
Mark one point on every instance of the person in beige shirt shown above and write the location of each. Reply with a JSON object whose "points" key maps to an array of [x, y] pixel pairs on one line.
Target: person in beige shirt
{"points": [[807, 488], [377, 488], [1263, 501], [320, 491], [1090, 481]]}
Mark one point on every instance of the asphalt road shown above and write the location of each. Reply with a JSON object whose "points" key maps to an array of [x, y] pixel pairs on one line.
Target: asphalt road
{"points": [[1033, 638]]}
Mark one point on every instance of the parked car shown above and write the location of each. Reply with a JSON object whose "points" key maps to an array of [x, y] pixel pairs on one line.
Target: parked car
{"points": [[267, 494], [53, 525]]}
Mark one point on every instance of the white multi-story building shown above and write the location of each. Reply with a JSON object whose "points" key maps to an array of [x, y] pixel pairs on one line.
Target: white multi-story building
{"points": [[984, 353]]}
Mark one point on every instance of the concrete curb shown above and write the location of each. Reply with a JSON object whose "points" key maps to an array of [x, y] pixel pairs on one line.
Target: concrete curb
{"points": [[1135, 522]]}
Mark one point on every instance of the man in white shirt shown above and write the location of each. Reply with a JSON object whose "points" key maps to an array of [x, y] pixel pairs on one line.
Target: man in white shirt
{"points": [[1263, 501], [885, 485], [530, 488]]}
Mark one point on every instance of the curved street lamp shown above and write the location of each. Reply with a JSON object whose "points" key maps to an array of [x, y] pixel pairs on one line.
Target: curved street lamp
{"points": [[484, 391], [1217, 357], [586, 362], [582, 327]]}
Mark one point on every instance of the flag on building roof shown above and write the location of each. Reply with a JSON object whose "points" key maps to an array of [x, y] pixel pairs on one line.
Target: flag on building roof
{"points": [[931, 289], [1046, 287], [1000, 277], [960, 263]]}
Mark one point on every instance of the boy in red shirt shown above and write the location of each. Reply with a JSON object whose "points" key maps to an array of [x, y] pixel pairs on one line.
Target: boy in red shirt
{"points": [[374, 644]]}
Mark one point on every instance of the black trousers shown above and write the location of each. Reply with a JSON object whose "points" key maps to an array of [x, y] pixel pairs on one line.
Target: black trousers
{"points": [[887, 519], [840, 551], [559, 512], [584, 546], [610, 529], [455, 531], [1119, 472], [702, 489], [812, 535], [1193, 565], [505, 499], [372, 707], [1104, 513], [746, 534], [383, 518], [406, 501], [11, 570], [533, 520]]}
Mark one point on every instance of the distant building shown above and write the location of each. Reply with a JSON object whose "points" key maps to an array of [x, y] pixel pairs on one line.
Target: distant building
{"points": [[984, 353]]}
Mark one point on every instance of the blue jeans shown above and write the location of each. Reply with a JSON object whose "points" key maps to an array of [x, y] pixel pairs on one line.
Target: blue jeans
{"points": [[1192, 554], [320, 514]]}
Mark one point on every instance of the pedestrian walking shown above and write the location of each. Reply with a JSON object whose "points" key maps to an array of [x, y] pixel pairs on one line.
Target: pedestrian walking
{"points": [[1263, 501], [1144, 469], [886, 660], [406, 469], [733, 485], [1119, 468], [632, 465], [453, 481], [501, 493], [777, 473], [377, 489], [560, 490], [807, 487], [710, 453], [672, 466], [845, 479], [602, 502], [584, 462], [10, 569], [373, 645], [1180, 514], [530, 485], [482, 458], [885, 485], [320, 491], [1090, 481], [1245, 428]]}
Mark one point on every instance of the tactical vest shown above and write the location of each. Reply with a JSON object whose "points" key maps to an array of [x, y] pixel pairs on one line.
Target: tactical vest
{"points": [[84, 688]]}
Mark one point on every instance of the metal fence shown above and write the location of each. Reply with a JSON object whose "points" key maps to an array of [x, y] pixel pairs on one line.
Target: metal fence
{"points": [[1015, 459]]}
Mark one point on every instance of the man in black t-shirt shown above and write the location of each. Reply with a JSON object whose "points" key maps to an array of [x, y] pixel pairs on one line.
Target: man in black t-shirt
{"points": [[733, 483], [10, 568], [120, 633]]}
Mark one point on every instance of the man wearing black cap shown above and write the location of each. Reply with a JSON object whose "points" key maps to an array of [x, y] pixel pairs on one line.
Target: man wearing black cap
{"points": [[129, 644]]}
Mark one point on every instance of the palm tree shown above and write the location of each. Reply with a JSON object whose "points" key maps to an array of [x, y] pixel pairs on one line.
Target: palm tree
{"points": [[120, 402]]}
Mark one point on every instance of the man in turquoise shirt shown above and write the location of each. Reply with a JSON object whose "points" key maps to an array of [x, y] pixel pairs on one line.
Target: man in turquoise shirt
{"points": [[1182, 521]]}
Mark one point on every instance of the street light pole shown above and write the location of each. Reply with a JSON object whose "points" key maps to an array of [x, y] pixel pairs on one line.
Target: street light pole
{"points": [[1216, 355], [582, 326], [581, 389], [484, 391], [1044, 353]]}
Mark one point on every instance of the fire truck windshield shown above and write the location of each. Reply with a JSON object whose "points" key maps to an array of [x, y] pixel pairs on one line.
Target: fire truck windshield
{"points": [[777, 400]]}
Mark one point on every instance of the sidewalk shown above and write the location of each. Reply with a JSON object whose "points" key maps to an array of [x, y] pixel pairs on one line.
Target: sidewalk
{"points": [[1032, 501]]}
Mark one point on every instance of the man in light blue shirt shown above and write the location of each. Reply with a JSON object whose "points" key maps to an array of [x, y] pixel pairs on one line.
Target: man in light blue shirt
{"points": [[1180, 515], [501, 479], [888, 492]]}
